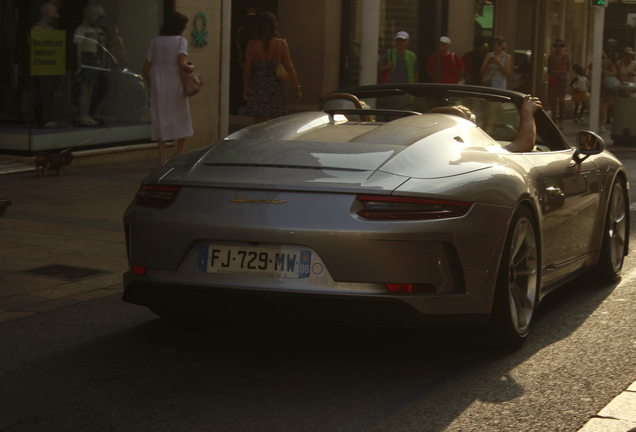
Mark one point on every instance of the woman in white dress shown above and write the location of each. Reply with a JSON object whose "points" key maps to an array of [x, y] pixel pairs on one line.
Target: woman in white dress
{"points": [[169, 108], [497, 65]]}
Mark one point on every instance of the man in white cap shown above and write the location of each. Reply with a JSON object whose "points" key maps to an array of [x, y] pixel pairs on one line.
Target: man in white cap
{"points": [[451, 65], [399, 65], [627, 66]]}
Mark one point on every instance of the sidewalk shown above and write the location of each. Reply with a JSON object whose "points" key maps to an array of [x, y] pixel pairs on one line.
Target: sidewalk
{"points": [[130, 153], [62, 239]]}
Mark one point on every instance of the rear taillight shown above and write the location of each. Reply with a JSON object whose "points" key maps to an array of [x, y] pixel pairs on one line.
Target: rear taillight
{"points": [[138, 270], [156, 196], [411, 288], [389, 207]]}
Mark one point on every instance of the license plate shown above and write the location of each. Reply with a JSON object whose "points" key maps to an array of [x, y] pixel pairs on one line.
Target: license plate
{"points": [[285, 261]]}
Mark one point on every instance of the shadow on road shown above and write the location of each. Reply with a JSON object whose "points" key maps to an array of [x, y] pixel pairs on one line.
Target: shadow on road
{"points": [[131, 371]]}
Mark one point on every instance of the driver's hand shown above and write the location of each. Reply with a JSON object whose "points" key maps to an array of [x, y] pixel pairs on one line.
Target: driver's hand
{"points": [[531, 104]]}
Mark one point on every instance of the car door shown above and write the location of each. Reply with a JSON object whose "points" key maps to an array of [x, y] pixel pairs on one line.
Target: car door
{"points": [[569, 197]]}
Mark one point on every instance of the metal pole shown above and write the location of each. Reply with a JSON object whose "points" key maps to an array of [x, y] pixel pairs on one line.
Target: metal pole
{"points": [[597, 59], [369, 42]]}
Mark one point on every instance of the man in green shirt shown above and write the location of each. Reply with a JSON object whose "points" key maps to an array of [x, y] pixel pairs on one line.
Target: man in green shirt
{"points": [[399, 65]]}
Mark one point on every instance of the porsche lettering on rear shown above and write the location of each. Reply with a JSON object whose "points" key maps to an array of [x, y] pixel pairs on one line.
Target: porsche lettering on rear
{"points": [[260, 201]]}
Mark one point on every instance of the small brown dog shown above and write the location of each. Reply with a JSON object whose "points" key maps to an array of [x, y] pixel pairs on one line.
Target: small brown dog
{"points": [[52, 162]]}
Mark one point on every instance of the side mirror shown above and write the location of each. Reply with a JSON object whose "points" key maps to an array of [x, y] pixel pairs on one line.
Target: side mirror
{"points": [[589, 143]]}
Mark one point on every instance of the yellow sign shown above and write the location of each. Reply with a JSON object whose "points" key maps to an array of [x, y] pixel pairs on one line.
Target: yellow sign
{"points": [[48, 52]]}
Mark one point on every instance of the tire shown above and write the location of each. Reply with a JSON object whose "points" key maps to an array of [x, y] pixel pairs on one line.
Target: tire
{"points": [[516, 293], [615, 231]]}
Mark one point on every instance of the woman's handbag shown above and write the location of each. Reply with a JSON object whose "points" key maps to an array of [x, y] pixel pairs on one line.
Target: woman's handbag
{"points": [[192, 83], [281, 72]]}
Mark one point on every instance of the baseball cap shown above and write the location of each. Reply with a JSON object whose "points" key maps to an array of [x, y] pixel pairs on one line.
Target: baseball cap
{"points": [[49, 9], [628, 50], [558, 42], [445, 39], [402, 35]]}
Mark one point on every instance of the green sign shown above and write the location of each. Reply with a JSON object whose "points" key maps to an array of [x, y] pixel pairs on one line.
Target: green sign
{"points": [[486, 18], [199, 36], [48, 52]]}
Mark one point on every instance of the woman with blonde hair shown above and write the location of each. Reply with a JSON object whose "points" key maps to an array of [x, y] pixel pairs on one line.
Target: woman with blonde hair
{"points": [[497, 65], [265, 94], [169, 108]]}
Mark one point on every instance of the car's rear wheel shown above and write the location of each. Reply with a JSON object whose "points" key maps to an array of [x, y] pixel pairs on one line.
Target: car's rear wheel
{"points": [[614, 245], [516, 293]]}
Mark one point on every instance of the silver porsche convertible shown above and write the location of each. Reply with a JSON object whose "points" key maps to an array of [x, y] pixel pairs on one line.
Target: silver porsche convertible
{"points": [[385, 206]]}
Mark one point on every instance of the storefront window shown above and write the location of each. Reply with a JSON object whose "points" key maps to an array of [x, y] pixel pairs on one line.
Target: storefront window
{"points": [[71, 74]]}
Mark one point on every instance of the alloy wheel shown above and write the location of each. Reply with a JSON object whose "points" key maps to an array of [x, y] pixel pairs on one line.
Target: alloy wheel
{"points": [[522, 275], [617, 227]]}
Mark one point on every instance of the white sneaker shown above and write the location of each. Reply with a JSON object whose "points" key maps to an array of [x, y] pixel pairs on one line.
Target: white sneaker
{"points": [[86, 121]]}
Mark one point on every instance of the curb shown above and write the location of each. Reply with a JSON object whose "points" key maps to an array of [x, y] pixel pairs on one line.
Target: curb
{"points": [[132, 153]]}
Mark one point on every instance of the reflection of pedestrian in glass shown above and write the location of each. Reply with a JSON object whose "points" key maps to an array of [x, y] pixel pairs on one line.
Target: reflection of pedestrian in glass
{"points": [[586, 141], [558, 71], [400, 62], [169, 108], [579, 92], [497, 65], [115, 44], [265, 94], [245, 34]]}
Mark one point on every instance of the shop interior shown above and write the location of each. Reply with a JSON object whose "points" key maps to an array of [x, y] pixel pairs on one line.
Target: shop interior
{"points": [[71, 74]]}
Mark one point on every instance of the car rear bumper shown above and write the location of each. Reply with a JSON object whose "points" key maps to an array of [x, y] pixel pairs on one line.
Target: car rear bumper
{"points": [[255, 304]]}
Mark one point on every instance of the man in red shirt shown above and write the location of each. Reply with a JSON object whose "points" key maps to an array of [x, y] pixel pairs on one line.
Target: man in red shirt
{"points": [[451, 65]]}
